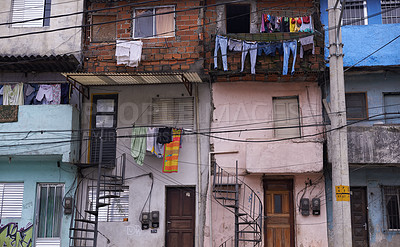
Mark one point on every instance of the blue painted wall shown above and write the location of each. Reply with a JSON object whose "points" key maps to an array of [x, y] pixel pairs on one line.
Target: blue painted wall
{"points": [[373, 179], [361, 41], [31, 171], [43, 117]]}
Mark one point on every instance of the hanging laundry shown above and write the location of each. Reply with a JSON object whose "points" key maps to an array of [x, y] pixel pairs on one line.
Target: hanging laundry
{"points": [[285, 26], [292, 24], [171, 153], [151, 139], [269, 48], [158, 150], [138, 144], [45, 91], [164, 135], [65, 93], [289, 47], [221, 42], [235, 45], [129, 52], [250, 47], [262, 29], [278, 21], [56, 94], [307, 25], [13, 95], [298, 24], [1, 94], [307, 44]]}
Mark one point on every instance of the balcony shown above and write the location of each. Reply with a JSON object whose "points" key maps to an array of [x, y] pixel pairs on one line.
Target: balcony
{"points": [[31, 135], [269, 67]]}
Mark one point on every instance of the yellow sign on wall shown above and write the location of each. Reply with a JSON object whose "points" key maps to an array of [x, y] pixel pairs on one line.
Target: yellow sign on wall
{"points": [[343, 193]]}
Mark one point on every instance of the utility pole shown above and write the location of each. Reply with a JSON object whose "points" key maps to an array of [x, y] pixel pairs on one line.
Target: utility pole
{"points": [[340, 167]]}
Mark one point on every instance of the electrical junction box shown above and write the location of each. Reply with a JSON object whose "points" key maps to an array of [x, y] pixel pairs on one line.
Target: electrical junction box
{"points": [[305, 206], [316, 206]]}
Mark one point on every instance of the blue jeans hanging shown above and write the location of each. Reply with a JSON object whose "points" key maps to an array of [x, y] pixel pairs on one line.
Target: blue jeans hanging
{"points": [[289, 47], [221, 42]]}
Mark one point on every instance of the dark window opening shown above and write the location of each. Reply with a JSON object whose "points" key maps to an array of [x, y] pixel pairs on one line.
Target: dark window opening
{"points": [[103, 32], [238, 18], [356, 106]]}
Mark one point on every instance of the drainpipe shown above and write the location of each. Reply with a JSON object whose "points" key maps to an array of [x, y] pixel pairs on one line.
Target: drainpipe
{"points": [[210, 188], [199, 196]]}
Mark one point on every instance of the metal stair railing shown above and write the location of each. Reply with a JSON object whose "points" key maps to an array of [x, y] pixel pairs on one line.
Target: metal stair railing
{"points": [[237, 197], [95, 191]]}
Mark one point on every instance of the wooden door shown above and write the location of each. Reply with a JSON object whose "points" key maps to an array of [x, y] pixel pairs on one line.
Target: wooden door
{"points": [[180, 220], [359, 216], [279, 222]]}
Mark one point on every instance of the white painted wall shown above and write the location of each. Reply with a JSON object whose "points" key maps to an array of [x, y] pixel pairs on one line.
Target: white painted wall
{"points": [[52, 43], [133, 102]]}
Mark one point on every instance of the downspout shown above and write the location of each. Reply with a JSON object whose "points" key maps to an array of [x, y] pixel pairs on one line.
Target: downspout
{"points": [[199, 195]]}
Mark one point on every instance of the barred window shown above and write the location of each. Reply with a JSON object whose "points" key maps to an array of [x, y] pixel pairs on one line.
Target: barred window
{"points": [[355, 12], [390, 11], [391, 196]]}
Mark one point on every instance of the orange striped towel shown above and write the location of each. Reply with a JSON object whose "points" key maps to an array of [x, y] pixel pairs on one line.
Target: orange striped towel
{"points": [[171, 152]]}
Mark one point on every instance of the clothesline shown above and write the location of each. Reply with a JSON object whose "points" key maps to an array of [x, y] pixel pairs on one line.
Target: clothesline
{"points": [[255, 49]]}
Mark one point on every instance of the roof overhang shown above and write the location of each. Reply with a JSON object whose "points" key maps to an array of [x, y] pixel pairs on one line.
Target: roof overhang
{"points": [[123, 79], [58, 63]]}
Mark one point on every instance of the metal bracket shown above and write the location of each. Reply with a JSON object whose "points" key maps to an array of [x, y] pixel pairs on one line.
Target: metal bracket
{"points": [[188, 84], [74, 84]]}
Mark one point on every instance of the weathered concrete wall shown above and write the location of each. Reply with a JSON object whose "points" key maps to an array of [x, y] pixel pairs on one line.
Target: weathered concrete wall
{"points": [[59, 118], [374, 145], [134, 104], [361, 41], [51, 43], [372, 178], [31, 171]]}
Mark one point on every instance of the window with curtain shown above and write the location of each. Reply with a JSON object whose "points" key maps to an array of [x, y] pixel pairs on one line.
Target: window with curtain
{"points": [[390, 11], [11, 198], [154, 22], [50, 210], [23, 10], [176, 112]]}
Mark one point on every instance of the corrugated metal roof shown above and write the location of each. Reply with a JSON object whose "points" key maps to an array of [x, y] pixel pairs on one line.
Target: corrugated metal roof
{"points": [[59, 63], [113, 79]]}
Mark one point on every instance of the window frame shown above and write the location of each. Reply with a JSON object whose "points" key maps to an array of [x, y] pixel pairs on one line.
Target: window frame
{"points": [[362, 22], [37, 211], [386, 222], [177, 104], [46, 12], [384, 12], [154, 22], [390, 119], [287, 135], [366, 105], [18, 214]]}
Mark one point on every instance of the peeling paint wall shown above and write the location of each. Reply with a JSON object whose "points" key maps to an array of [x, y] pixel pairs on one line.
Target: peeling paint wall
{"points": [[372, 179]]}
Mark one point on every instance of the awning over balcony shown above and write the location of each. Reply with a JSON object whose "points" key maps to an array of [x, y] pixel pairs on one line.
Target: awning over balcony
{"points": [[65, 63], [118, 79]]}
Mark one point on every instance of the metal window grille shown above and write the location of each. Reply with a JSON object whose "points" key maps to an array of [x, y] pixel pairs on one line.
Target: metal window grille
{"points": [[174, 112], [355, 12], [116, 211], [390, 11], [11, 198], [391, 198], [50, 213]]}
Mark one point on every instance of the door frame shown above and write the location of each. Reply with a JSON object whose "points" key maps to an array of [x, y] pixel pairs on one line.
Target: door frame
{"points": [[195, 228], [366, 209], [289, 181]]}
